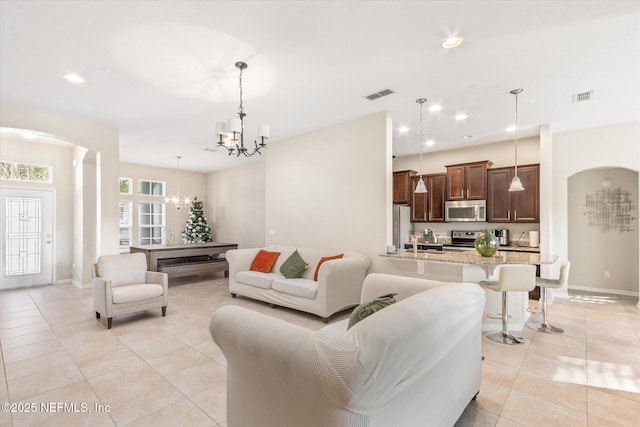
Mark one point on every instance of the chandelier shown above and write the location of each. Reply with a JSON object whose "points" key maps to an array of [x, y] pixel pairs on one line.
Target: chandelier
{"points": [[176, 201], [231, 134], [420, 188], [516, 184]]}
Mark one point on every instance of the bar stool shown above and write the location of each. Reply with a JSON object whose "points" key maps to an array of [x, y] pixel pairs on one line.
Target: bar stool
{"points": [[511, 278], [545, 326]]}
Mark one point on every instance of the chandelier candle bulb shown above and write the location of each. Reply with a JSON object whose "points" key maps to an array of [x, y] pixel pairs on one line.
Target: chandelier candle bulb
{"points": [[263, 131]]}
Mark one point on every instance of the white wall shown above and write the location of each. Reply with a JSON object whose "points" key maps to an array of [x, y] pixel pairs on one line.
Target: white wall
{"points": [[60, 158], [236, 206], [332, 188], [576, 151], [192, 184]]}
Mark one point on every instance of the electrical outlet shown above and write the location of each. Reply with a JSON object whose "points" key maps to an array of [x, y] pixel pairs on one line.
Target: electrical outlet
{"points": [[607, 274]]}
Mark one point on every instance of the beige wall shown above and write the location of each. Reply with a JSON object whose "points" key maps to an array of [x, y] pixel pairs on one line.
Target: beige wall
{"points": [[96, 138], [602, 259], [577, 151], [332, 188], [500, 153], [192, 184], [61, 159], [237, 204]]}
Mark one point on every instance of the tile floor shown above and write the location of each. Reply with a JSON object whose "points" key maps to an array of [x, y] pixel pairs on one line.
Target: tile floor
{"points": [[166, 371]]}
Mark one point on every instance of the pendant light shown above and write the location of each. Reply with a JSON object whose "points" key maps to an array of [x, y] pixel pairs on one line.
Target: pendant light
{"points": [[176, 201], [516, 185], [421, 188]]}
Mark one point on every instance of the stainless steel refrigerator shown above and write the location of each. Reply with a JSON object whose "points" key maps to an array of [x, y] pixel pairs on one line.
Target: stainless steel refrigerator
{"points": [[401, 225]]}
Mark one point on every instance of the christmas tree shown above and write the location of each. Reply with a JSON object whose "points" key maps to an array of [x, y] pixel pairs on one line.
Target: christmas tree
{"points": [[196, 230]]}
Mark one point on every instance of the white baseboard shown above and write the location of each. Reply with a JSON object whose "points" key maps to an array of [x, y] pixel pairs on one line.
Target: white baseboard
{"points": [[80, 285], [604, 291]]}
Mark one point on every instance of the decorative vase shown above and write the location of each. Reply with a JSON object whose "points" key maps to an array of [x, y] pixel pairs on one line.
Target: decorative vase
{"points": [[486, 243]]}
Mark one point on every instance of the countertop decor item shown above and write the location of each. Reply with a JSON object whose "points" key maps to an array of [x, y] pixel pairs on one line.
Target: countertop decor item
{"points": [[486, 243]]}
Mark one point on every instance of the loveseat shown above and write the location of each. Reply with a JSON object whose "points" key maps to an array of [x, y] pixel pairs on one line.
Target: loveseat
{"points": [[338, 285], [414, 363]]}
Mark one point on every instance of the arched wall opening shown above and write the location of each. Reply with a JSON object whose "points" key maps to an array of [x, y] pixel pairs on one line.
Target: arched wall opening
{"points": [[602, 220]]}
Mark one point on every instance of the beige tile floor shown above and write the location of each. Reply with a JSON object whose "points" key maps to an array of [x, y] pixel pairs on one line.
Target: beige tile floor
{"points": [[150, 370]]}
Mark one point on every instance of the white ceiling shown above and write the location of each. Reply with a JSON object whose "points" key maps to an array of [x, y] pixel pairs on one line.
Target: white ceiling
{"points": [[163, 72]]}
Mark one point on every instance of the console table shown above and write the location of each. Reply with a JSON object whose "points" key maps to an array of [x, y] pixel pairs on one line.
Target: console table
{"points": [[187, 259]]}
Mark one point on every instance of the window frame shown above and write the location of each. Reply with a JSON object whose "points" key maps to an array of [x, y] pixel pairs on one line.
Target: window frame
{"points": [[123, 227], [151, 184], [14, 176], [130, 181], [151, 237]]}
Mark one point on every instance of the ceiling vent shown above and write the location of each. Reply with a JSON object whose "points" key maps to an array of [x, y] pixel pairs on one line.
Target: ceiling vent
{"points": [[380, 94], [582, 96]]}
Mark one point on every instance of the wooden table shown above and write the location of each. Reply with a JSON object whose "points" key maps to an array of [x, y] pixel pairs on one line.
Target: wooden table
{"points": [[187, 259]]}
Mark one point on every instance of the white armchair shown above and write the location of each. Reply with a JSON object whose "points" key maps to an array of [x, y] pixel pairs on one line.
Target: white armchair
{"points": [[122, 284]]}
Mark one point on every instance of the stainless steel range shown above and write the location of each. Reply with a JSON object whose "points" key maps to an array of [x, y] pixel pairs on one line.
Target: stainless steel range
{"points": [[462, 240]]}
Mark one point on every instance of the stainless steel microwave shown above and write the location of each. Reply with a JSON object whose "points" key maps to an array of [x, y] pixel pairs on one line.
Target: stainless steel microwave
{"points": [[465, 211]]}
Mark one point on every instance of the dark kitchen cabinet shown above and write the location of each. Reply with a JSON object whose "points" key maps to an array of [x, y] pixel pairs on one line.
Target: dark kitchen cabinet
{"points": [[437, 187], [402, 187], [429, 206], [467, 181], [517, 206]]}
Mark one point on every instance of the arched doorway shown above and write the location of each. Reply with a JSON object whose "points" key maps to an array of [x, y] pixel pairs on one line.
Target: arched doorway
{"points": [[603, 230]]}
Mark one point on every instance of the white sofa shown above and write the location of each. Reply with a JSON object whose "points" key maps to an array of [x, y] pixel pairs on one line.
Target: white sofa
{"points": [[338, 286], [414, 363]]}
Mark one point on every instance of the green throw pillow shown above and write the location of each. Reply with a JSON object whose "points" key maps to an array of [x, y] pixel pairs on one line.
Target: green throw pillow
{"points": [[294, 266], [368, 308]]}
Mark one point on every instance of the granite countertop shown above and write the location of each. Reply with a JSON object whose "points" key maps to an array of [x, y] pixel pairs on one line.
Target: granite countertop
{"points": [[519, 248], [472, 257]]}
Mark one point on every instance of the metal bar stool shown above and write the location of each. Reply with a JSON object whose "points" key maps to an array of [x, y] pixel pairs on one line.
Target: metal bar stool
{"points": [[511, 278], [545, 326]]}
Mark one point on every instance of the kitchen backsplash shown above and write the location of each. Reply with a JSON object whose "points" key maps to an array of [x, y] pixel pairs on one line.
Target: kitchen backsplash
{"points": [[519, 233]]}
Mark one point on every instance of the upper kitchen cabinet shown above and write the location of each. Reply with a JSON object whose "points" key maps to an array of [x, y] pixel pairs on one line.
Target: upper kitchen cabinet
{"points": [[516, 206], [402, 189], [429, 206], [467, 181]]}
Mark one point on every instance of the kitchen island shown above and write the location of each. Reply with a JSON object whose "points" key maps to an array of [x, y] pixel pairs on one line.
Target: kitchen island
{"points": [[469, 266]]}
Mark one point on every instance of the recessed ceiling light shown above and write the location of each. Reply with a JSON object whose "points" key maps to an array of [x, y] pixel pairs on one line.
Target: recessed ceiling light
{"points": [[430, 142], [467, 136], [403, 129], [451, 42], [435, 107], [511, 129], [74, 78], [461, 116]]}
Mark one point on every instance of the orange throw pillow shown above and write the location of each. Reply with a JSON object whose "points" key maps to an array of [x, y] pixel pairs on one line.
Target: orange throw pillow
{"points": [[264, 261], [323, 259]]}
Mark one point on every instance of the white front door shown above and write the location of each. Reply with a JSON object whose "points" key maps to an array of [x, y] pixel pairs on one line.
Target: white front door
{"points": [[26, 250]]}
